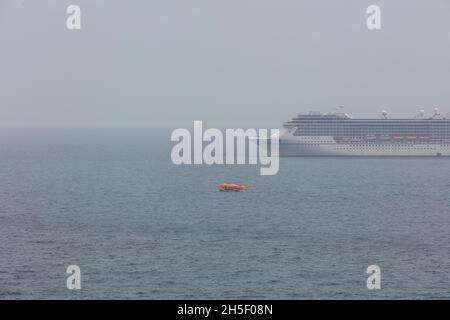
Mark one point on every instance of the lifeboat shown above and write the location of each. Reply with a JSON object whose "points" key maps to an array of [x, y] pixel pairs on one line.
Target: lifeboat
{"points": [[232, 187]]}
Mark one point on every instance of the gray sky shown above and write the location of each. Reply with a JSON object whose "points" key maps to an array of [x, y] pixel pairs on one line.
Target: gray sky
{"points": [[251, 63]]}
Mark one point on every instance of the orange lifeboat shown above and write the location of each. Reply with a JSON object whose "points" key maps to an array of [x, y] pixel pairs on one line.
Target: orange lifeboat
{"points": [[232, 187]]}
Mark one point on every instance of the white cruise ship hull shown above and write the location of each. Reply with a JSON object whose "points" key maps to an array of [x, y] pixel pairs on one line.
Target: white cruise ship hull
{"points": [[327, 146]]}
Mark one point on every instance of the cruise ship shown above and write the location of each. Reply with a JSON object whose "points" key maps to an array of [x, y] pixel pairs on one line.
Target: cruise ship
{"points": [[338, 134]]}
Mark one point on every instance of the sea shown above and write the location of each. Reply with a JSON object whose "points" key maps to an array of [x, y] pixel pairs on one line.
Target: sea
{"points": [[112, 202]]}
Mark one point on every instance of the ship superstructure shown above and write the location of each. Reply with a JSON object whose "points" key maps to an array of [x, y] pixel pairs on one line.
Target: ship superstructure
{"points": [[338, 134]]}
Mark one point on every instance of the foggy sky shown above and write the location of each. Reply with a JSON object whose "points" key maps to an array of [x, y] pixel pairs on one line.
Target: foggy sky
{"points": [[248, 63]]}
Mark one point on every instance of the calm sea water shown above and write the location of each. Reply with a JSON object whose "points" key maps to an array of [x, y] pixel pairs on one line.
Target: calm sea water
{"points": [[140, 227]]}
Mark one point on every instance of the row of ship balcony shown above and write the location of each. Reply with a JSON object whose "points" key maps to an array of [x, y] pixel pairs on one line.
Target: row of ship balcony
{"points": [[390, 138]]}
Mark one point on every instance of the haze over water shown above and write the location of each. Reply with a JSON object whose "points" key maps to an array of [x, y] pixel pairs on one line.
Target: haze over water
{"points": [[140, 227]]}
